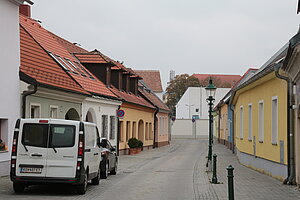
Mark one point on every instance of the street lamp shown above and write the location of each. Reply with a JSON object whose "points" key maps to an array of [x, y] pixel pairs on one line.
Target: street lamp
{"points": [[210, 92]]}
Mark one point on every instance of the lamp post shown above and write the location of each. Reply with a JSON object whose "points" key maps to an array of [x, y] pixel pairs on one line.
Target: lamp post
{"points": [[210, 92]]}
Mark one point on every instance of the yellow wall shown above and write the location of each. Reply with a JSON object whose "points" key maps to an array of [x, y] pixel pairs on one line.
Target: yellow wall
{"points": [[135, 114], [263, 89], [223, 122]]}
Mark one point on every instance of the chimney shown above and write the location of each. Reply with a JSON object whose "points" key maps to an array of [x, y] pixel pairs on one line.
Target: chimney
{"points": [[25, 10]]}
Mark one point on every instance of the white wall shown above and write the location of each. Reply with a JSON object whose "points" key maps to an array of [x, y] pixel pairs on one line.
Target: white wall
{"points": [[195, 98], [101, 107], [9, 75], [185, 128]]}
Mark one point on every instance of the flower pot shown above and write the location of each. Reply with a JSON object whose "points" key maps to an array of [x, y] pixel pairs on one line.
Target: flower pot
{"points": [[132, 151], [138, 150]]}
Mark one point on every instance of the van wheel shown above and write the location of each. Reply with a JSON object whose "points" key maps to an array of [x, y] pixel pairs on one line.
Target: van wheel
{"points": [[96, 180], [81, 189], [115, 169], [18, 187], [105, 168]]}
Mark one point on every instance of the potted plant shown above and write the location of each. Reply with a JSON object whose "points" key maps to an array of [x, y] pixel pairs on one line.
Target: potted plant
{"points": [[133, 144], [139, 146]]}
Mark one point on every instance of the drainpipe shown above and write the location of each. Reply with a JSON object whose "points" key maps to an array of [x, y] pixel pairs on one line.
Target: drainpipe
{"points": [[154, 136], [118, 133], [25, 94], [232, 127], [290, 131]]}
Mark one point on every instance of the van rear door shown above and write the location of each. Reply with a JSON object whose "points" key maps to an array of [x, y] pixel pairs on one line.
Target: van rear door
{"points": [[32, 149], [62, 149]]}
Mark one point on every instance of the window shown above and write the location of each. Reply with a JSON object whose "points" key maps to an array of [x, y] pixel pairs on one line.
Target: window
{"points": [[74, 66], [127, 130], [56, 58], [53, 112], [35, 110], [197, 109], [250, 122], [104, 126], [83, 69], [3, 134], [134, 130], [112, 127], [121, 139], [261, 121], [241, 123], [64, 135], [65, 64], [147, 131], [35, 135], [161, 125], [274, 120], [150, 131]]}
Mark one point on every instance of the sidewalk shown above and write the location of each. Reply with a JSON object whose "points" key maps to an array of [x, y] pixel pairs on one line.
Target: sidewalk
{"points": [[248, 184]]}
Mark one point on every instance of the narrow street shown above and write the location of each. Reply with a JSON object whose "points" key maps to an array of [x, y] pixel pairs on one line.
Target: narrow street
{"points": [[173, 172]]}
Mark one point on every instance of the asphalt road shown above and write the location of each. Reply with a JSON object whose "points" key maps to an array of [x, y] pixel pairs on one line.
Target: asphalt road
{"points": [[163, 173]]}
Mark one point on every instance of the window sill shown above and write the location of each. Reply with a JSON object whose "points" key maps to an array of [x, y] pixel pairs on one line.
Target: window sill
{"points": [[261, 141], [274, 144], [5, 151], [250, 140]]}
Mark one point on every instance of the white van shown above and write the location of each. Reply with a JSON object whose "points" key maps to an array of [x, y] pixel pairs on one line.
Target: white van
{"points": [[55, 151]]}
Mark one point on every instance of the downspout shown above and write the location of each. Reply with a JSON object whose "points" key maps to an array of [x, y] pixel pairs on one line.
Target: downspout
{"points": [[290, 132], [118, 133], [154, 136], [232, 127], [25, 94]]}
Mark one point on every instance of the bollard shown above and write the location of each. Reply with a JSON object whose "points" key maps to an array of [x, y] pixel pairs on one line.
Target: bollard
{"points": [[214, 179], [230, 182]]}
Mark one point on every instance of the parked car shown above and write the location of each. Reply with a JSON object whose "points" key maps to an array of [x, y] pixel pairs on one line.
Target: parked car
{"points": [[109, 161], [55, 151]]}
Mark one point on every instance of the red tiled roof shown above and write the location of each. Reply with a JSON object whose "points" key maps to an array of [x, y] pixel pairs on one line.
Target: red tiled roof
{"points": [[153, 99], [151, 78], [36, 63], [131, 98], [50, 43], [89, 58], [224, 78]]}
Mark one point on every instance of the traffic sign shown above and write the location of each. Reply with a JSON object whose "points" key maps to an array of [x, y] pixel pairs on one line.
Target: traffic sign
{"points": [[120, 113]]}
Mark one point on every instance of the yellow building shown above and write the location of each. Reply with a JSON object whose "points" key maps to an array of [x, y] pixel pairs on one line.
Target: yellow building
{"points": [[260, 121], [138, 122]]}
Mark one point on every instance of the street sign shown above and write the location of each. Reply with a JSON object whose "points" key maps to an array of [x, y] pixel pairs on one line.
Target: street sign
{"points": [[173, 119], [120, 113]]}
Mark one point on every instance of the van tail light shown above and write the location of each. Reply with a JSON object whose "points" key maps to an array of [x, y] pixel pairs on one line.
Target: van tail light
{"points": [[43, 121], [13, 161], [80, 151]]}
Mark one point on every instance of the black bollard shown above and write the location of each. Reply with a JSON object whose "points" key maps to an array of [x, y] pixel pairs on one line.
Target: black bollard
{"points": [[214, 179], [230, 182]]}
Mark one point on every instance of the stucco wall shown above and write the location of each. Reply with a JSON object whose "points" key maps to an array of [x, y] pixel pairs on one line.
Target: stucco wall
{"points": [[133, 115], [263, 92], [98, 108], [185, 128], [9, 76], [195, 98]]}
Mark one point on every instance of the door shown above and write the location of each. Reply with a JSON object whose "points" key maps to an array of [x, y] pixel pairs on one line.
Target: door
{"points": [[92, 151], [32, 149], [62, 150]]}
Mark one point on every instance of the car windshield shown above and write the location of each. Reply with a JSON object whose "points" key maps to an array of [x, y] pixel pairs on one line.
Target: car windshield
{"points": [[37, 135]]}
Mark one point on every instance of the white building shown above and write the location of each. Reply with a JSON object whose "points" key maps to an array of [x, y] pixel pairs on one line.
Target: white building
{"points": [[193, 103], [9, 76]]}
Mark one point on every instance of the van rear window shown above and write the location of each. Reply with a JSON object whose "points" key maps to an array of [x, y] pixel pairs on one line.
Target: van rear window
{"points": [[62, 136], [35, 135]]}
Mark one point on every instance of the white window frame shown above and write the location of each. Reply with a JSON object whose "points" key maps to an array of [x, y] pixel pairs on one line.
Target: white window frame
{"points": [[241, 122], [261, 121], [55, 107], [250, 121], [36, 105], [274, 128]]}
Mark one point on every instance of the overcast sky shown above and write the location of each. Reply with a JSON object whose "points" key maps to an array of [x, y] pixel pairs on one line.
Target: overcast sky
{"points": [[188, 36]]}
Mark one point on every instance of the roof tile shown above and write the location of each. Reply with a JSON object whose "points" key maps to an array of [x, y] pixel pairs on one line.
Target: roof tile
{"points": [[151, 78]]}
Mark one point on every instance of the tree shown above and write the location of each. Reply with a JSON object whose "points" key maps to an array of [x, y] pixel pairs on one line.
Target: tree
{"points": [[177, 88]]}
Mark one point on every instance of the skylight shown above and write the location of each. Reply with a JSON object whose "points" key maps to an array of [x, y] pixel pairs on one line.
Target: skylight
{"points": [[57, 60], [82, 68]]}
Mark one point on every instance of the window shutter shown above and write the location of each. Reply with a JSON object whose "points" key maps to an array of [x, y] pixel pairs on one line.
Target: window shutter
{"points": [[104, 126], [112, 127]]}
